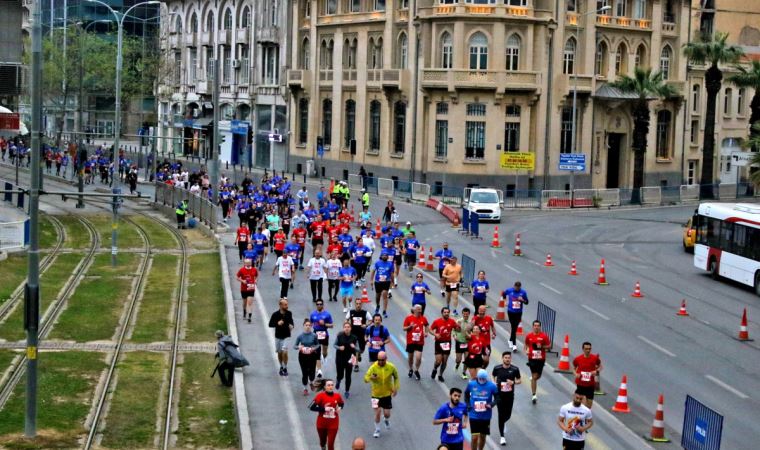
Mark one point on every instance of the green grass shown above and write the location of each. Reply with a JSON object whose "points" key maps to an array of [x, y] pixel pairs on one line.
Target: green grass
{"points": [[93, 311], [13, 272], [76, 233], [131, 421], [158, 235], [66, 384], [6, 356], [51, 283], [48, 234], [153, 319], [203, 403], [127, 235], [205, 298]]}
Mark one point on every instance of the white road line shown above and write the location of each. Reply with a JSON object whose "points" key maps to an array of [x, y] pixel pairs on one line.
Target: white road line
{"points": [[550, 288], [511, 268], [537, 263], [593, 311], [727, 387], [658, 347]]}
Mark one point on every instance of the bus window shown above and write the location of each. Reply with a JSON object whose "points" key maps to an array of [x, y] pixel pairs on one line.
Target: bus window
{"points": [[712, 233], [752, 247], [740, 241], [726, 236]]}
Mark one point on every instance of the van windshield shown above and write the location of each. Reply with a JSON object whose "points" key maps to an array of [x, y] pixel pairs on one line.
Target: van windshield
{"points": [[484, 197]]}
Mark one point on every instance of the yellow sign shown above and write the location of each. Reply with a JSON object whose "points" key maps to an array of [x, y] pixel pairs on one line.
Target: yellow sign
{"points": [[518, 160], [31, 352]]}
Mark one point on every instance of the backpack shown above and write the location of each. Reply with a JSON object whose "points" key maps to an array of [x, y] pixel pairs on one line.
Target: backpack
{"points": [[230, 354]]}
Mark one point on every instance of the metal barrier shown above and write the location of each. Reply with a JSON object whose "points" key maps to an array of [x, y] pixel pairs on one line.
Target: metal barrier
{"points": [[197, 206], [475, 225], [608, 197], [726, 191], [420, 191], [468, 272], [465, 221], [372, 185], [355, 181], [14, 234], [584, 198], [402, 189], [651, 195], [555, 199], [385, 187], [523, 198], [702, 426], [547, 316], [670, 194], [689, 193], [745, 190], [451, 195]]}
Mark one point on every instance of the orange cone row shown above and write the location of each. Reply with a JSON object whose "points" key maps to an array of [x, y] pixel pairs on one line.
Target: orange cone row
{"points": [[421, 263], [495, 242], [637, 291], [658, 424], [548, 262], [564, 358], [518, 250], [501, 314], [429, 266], [743, 331], [682, 311], [621, 404]]}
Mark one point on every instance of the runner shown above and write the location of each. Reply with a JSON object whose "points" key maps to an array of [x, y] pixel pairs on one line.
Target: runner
{"points": [[322, 322], [587, 367], [377, 337], [300, 236], [247, 276], [308, 348], [317, 274], [294, 250], [359, 260], [327, 404], [384, 379], [285, 267], [411, 245], [332, 267], [480, 289], [487, 332], [515, 297], [242, 238], [416, 327], [282, 322], [347, 277], [453, 416], [277, 241], [461, 337], [382, 277], [419, 289], [452, 275], [359, 319], [443, 256], [506, 376], [480, 397], [441, 329], [398, 256], [536, 344], [260, 246], [346, 345], [474, 359], [574, 419]]}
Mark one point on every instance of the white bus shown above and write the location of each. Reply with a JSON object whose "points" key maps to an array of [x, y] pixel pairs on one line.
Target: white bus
{"points": [[728, 241]]}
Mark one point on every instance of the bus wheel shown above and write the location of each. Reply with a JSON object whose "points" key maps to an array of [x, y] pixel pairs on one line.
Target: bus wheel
{"points": [[714, 269], [757, 283]]}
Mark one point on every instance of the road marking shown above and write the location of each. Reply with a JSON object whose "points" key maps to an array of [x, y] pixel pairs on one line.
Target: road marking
{"points": [[727, 387], [550, 288], [593, 311], [511, 268], [658, 347], [537, 263]]}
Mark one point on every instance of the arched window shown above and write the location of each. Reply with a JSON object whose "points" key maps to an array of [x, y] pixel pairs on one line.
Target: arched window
{"points": [[210, 22], [327, 121], [331, 6], [728, 101], [350, 122], [245, 18], [740, 101], [447, 51], [227, 111], [194, 23], [621, 60], [374, 126], [303, 120], [376, 53], [478, 52], [568, 57], [600, 65], [305, 54], [399, 127], [663, 134], [513, 52], [641, 56], [349, 54], [665, 56], [695, 91], [227, 25], [178, 24], [403, 48], [325, 55]]}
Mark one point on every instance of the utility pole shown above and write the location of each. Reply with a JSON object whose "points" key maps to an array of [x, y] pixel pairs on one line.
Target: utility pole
{"points": [[213, 160], [115, 224]]}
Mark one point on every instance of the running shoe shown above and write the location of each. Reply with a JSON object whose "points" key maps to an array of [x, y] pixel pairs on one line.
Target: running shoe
{"points": [[502, 441], [345, 310], [387, 424], [285, 371], [390, 295], [464, 376], [337, 385], [411, 372], [385, 315], [456, 313], [534, 399], [417, 375], [376, 434], [319, 374], [280, 372], [443, 294], [356, 368], [348, 394], [433, 374], [440, 378]]}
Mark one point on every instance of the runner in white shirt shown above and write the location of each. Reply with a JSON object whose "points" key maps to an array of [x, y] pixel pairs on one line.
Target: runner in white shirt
{"points": [[370, 244], [574, 420], [333, 277], [317, 274], [285, 267]]}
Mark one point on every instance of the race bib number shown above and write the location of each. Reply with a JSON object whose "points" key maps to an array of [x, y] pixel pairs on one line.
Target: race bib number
{"points": [[243, 238], [586, 376], [452, 428], [480, 406], [359, 253], [377, 344], [481, 288], [329, 412], [321, 335], [306, 350], [316, 272], [453, 285], [516, 304], [242, 210], [416, 337], [286, 270], [347, 278], [506, 387], [411, 247], [419, 289], [251, 286], [333, 273], [445, 346], [352, 360], [375, 403], [357, 321], [381, 278], [536, 354]]}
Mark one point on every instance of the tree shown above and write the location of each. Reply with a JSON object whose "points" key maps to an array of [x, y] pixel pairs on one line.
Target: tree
{"points": [[712, 50], [749, 77], [754, 142], [647, 86]]}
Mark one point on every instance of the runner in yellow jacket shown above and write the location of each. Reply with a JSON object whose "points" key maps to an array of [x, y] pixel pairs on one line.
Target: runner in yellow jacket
{"points": [[383, 377]]}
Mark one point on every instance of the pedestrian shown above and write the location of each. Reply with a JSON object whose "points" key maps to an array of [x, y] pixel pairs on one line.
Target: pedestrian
{"points": [[536, 344], [480, 396], [474, 359], [317, 274], [308, 354], [181, 212], [516, 298], [359, 320], [225, 368], [389, 208], [332, 267], [322, 321], [411, 245], [382, 276], [506, 376], [363, 175], [454, 418], [479, 287], [574, 419], [587, 367], [377, 336], [365, 199], [247, 276], [346, 345], [451, 276], [441, 329], [282, 322], [384, 380], [285, 267], [242, 237], [327, 404], [347, 276]]}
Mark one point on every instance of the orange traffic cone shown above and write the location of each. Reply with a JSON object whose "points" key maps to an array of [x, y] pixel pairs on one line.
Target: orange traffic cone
{"points": [[377, 227], [658, 424], [353, 215], [743, 332], [495, 243], [519, 329], [682, 311], [501, 315], [564, 358], [429, 266], [365, 297], [573, 269], [518, 250], [637, 291], [549, 262], [602, 280], [621, 404], [421, 262]]}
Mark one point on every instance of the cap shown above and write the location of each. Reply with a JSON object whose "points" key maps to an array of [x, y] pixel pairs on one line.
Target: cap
{"points": [[482, 374], [408, 223]]}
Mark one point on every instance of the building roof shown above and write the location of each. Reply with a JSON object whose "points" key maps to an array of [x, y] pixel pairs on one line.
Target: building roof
{"points": [[607, 92]]}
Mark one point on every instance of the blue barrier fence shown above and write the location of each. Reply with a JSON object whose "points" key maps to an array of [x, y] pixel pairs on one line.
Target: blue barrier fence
{"points": [[547, 316], [475, 225], [702, 426], [465, 221], [468, 272]]}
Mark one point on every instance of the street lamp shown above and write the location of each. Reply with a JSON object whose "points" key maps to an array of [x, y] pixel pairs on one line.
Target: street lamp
{"points": [[120, 22]]}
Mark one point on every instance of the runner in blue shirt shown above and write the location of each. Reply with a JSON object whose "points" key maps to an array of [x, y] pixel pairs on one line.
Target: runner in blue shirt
{"points": [[411, 244], [359, 255], [377, 336], [443, 256], [382, 277], [516, 297], [259, 244], [480, 289], [419, 289], [346, 241], [347, 275], [480, 396], [453, 416], [250, 253], [294, 250], [322, 320]]}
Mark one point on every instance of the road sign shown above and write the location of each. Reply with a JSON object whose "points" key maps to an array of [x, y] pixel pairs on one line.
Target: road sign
{"points": [[572, 161], [518, 160], [9, 121], [740, 159], [275, 137]]}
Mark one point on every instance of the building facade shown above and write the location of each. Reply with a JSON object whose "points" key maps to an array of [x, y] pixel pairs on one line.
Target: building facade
{"points": [[437, 90], [11, 69], [248, 38]]}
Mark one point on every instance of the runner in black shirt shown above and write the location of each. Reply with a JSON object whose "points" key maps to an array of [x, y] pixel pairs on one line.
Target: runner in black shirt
{"points": [[359, 319], [506, 376], [282, 322]]}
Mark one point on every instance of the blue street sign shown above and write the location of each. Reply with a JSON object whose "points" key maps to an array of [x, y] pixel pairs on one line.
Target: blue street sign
{"points": [[700, 431], [572, 161], [320, 151]]}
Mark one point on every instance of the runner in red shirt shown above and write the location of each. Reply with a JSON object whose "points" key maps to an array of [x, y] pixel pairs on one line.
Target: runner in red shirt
{"points": [[587, 367], [242, 236], [317, 232], [327, 404], [441, 328], [536, 344], [334, 246], [247, 276], [474, 360], [487, 332], [333, 230], [344, 227], [345, 216], [416, 327], [279, 242]]}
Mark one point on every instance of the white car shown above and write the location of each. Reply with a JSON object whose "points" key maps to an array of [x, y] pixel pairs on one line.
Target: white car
{"points": [[486, 203]]}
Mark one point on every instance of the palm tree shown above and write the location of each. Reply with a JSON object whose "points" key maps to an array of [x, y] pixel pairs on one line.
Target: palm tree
{"points": [[754, 142], [647, 86], [712, 50], [749, 77]]}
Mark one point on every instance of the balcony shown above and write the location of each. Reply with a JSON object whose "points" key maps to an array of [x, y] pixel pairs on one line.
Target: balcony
{"points": [[669, 28], [299, 79], [394, 78], [403, 15], [479, 9], [205, 38], [223, 37], [269, 34], [349, 76], [621, 22], [191, 40], [241, 35], [174, 40], [583, 84], [445, 9], [572, 18], [678, 85], [325, 77], [520, 11], [498, 80], [644, 24]]}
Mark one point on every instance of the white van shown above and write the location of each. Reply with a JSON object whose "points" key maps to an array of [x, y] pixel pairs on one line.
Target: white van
{"points": [[485, 202]]}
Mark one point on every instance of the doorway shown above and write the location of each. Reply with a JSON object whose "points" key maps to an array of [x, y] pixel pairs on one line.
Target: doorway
{"points": [[614, 144]]}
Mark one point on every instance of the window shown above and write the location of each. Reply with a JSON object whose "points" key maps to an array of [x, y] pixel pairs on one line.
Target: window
{"points": [[354, 5], [600, 66], [209, 64], [441, 139], [639, 9], [227, 112], [374, 126], [403, 46], [668, 14], [245, 19], [270, 68], [620, 8], [691, 172], [513, 52], [305, 54], [475, 140], [515, 2], [273, 13], [641, 56], [375, 60], [566, 131], [244, 65], [307, 8], [740, 101], [210, 22], [399, 127], [326, 55], [568, 58], [227, 64], [349, 54], [178, 25], [478, 52], [303, 120], [512, 137], [177, 68], [665, 62], [513, 111], [379, 5], [192, 73], [476, 109], [403, 4], [442, 108], [571, 5], [327, 121], [350, 121], [728, 99], [447, 52], [601, 4], [621, 60], [331, 6], [695, 98], [663, 134], [194, 23], [694, 135], [227, 25]]}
